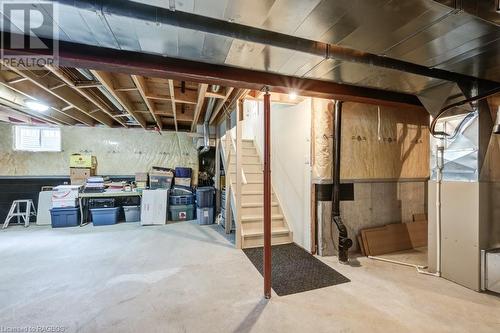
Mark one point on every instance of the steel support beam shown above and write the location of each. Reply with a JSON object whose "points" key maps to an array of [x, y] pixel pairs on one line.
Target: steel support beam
{"points": [[267, 195], [136, 63], [159, 15]]}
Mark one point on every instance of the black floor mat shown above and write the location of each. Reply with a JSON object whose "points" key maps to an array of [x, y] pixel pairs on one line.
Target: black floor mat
{"points": [[294, 270]]}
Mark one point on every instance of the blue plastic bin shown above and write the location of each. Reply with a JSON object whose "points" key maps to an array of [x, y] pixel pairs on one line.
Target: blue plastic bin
{"points": [[65, 217], [105, 216], [205, 215], [205, 197], [181, 172]]}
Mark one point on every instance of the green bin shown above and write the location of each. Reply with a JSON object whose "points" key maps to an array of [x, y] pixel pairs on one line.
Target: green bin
{"points": [[181, 212]]}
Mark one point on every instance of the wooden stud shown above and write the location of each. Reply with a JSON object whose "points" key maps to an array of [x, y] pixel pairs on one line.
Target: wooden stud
{"points": [[239, 165], [202, 91], [227, 166]]}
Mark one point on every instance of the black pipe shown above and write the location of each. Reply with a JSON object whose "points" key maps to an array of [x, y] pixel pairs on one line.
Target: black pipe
{"points": [[148, 13], [344, 241]]}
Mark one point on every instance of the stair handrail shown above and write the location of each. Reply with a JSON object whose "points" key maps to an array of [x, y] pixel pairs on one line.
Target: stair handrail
{"points": [[243, 176]]}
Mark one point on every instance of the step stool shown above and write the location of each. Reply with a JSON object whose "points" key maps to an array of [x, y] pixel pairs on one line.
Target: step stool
{"points": [[15, 211]]}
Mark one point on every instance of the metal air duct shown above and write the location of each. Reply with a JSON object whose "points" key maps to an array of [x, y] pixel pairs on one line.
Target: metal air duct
{"points": [[208, 114]]}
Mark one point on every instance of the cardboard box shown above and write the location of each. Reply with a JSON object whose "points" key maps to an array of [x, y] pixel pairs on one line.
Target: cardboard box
{"points": [[141, 184], [79, 176], [78, 181], [82, 161], [141, 176]]}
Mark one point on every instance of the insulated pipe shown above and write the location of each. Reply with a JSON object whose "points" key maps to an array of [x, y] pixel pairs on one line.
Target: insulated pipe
{"points": [[344, 242], [267, 195], [159, 15]]}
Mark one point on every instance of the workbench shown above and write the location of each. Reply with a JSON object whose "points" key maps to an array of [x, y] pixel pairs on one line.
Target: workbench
{"points": [[84, 197]]}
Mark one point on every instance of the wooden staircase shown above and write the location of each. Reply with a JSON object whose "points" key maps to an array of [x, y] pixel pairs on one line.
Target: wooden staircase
{"points": [[251, 198]]}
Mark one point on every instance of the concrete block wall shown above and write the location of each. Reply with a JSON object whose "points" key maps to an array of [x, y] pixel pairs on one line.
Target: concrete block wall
{"points": [[377, 203]]}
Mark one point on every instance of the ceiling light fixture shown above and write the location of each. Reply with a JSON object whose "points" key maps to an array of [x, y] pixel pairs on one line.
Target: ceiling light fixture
{"points": [[292, 95], [36, 106]]}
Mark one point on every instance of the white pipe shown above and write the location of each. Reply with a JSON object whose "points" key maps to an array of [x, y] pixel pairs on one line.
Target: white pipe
{"points": [[439, 178], [398, 262]]}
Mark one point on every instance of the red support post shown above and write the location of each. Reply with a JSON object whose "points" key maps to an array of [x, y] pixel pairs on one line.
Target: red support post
{"points": [[267, 195]]}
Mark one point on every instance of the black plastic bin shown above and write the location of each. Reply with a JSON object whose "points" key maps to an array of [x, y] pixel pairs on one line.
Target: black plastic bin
{"points": [[102, 203]]}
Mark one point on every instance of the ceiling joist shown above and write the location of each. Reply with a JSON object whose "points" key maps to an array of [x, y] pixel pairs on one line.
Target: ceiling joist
{"points": [[107, 80], [140, 83], [15, 99], [220, 104], [67, 95], [172, 95], [81, 90], [202, 91]]}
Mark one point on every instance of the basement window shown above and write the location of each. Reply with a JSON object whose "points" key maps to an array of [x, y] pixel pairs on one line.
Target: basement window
{"points": [[37, 139]]}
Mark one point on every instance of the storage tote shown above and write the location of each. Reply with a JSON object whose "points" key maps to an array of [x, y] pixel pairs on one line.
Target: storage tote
{"points": [[205, 196], [132, 213], [181, 213], [104, 216], [205, 215], [65, 217], [182, 172]]}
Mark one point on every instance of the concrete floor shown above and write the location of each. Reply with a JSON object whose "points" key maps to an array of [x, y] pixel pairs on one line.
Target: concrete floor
{"points": [[417, 256], [187, 278]]}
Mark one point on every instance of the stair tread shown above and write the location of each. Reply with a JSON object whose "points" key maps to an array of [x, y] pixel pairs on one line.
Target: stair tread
{"points": [[248, 172], [256, 204], [257, 232], [253, 192], [249, 182], [246, 163], [246, 154], [260, 217]]}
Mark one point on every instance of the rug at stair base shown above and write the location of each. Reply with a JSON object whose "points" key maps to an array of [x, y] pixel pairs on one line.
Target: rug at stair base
{"points": [[294, 270]]}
